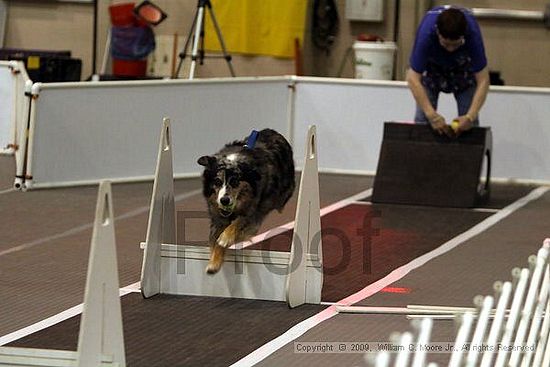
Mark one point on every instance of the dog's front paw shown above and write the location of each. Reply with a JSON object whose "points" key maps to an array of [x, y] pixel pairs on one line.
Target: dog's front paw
{"points": [[213, 268], [227, 237], [224, 241], [216, 260]]}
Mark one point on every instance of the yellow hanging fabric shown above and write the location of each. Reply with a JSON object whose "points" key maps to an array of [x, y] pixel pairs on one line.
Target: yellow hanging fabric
{"points": [[258, 27]]}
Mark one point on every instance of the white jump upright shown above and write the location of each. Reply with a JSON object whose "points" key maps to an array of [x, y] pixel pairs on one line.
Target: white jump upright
{"points": [[171, 268], [161, 227], [100, 341], [307, 228]]}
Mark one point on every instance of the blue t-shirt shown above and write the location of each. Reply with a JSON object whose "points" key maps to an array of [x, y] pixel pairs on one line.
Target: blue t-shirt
{"points": [[448, 71]]}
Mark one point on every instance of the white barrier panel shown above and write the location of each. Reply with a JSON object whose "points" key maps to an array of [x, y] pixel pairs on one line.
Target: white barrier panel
{"points": [[169, 268], [83, 132], [12, 101], [350, 114], [7, 111], [350, 119]]}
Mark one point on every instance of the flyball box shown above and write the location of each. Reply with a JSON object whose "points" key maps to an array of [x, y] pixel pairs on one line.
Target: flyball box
{"points": [[417, 166]]}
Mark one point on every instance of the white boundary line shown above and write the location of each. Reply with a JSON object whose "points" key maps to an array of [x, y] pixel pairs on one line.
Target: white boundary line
{"points": [[55, 319], [7, 191], [301, 328], [84, 227]]}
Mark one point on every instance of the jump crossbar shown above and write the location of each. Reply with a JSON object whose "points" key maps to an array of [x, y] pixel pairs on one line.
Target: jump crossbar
{"points": [[170, 268]]}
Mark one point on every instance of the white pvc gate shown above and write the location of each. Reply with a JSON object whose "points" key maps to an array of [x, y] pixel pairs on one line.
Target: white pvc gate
{"points": [[83, 132]]}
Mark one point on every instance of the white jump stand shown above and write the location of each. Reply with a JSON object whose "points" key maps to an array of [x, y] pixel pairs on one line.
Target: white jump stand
{"points": [[100, 341], [169, 268]]}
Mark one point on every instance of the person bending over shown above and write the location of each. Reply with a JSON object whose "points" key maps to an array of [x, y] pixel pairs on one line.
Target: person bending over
{"points": [[448, 56]]}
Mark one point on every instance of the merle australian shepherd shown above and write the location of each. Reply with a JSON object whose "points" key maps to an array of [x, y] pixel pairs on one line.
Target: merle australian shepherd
{"points": [[242, 183]]}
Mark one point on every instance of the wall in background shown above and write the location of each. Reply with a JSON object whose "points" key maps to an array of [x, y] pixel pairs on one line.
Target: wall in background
{"points": [[3, 17], [319, 62], [519, 50], [51, 25], [180, 17]]}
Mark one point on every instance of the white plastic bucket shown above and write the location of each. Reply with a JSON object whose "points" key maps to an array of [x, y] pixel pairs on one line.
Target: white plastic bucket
{"points": [[374, 60]]}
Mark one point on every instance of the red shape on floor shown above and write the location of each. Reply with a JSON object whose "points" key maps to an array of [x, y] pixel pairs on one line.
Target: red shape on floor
{"points": [[398, 290]]}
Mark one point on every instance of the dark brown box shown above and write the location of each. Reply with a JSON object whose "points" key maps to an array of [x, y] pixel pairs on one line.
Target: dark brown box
{"points": [[420, 167]]}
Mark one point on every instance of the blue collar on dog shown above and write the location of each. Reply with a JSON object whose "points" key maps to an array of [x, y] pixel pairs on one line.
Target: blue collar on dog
{"points": [[251, 141]]}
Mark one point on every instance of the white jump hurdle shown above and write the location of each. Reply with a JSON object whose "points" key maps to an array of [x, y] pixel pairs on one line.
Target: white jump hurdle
{"points": [[516, 337], [294, 277], [100, 341]]}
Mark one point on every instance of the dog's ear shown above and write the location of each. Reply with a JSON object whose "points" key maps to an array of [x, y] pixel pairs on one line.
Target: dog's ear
{"points": [[206, 161]]}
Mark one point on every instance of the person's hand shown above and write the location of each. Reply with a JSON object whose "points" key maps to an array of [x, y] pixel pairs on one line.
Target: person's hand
{"points": [[439, 125], [463, 123]]}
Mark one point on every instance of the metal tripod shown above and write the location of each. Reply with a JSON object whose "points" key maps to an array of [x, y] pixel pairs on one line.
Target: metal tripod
{"points": [[197, 33]]}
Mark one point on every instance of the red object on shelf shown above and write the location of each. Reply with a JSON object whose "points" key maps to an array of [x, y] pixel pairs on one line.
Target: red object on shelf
{"points": [[140, 22], [149, 13], [369, 38], [122, 14], [137, 68]]}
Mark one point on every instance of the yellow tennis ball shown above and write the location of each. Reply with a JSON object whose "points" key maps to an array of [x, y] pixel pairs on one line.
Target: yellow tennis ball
{"points": [[454, 125]]}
